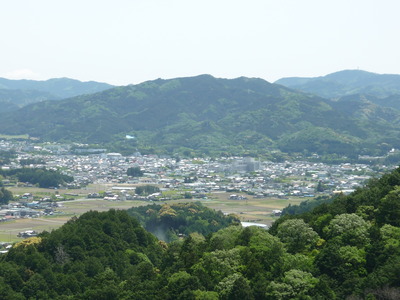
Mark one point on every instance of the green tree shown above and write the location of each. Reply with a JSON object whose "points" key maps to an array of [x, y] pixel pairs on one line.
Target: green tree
{"points": [[188, 195], [297, 235], [5, 196], [234, 287], [295, 284], [147, 189], [181, 285], [262, 252], [215, 266], [134, 172], [205, 295], [225, 238], [389, 208], [7, 293], [391, 239], [35, 286], [350, 229], [320, 187]]}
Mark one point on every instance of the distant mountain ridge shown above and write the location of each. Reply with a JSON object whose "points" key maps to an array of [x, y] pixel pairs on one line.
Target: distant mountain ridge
{"points": [[209, 115], [18, 93], [345, 83], [59, 87]]}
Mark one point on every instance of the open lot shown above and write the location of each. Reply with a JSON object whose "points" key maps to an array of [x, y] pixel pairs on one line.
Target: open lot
{"points": [[250, 209]]}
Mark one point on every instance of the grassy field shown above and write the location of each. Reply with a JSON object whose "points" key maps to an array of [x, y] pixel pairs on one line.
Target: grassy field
{"points": [[9, 137], [43, 192], [252, 209], [9, 230]]}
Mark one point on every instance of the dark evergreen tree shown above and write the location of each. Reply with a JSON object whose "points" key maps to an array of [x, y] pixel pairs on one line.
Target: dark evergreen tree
{"points": [[134, 172]]}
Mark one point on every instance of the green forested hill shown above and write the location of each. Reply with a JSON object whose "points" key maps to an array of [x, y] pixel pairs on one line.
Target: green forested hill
{"points": [[11, 100], [347, 82], [93, 257], [168, 222], [392, 101], [57, 87], [346, 249], [207, 115], [18, 93]]}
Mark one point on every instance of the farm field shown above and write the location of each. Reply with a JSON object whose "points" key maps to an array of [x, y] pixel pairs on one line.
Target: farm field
{"points": [[11, 137], [250, 209]]}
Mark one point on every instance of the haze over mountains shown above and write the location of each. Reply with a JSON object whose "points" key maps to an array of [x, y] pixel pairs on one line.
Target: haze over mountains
{"points": [[18, 93], [212, 115], [347, 82]]}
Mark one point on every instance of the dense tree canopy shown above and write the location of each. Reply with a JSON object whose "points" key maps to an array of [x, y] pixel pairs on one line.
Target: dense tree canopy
{"points": [[5, 196], [42, 177], [167, 222], [6, 156], [134, 172], [145, 190]]}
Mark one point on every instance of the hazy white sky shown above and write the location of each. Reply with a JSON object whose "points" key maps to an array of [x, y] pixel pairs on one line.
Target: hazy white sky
{"points": [[131, 41]]}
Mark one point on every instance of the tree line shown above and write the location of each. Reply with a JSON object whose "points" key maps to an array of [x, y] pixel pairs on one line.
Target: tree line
{"points": [[42, 177]]}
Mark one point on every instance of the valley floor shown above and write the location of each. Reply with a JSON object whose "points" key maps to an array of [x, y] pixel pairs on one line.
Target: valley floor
{"points": [[250, 209]]}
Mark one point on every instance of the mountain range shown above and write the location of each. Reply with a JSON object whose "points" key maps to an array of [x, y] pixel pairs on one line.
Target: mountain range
{"points": [[203, 114], [18, 93], [344, 83]]}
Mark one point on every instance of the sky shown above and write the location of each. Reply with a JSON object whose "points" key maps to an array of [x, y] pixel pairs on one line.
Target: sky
{"points": [[131, 41]]}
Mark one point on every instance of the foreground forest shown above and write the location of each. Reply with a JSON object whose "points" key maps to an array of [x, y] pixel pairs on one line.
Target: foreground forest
{"points": [[348, 248]]}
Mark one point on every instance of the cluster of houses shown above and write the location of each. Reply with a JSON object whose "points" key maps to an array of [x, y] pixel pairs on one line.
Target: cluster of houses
{"points": [[234, 175], [240, 177], [27, 207]]}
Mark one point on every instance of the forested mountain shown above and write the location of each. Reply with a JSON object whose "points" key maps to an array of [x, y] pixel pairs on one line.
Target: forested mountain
{"points": [[345, 249], [367, 110], [392, 101], [346, 82], [6, 106], [18, 93], [208, 115], [14, 99]]}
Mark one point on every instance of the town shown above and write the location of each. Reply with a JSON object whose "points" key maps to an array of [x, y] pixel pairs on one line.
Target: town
{"points": [[195, 178]]}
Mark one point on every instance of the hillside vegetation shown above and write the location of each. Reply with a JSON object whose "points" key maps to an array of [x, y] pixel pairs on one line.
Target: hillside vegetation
{"points": [[346, 249], [206, 115], [169, 221]]}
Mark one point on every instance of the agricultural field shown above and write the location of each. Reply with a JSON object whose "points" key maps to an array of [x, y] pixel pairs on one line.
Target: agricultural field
{"points": [[249, 209], [13, 137]]}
